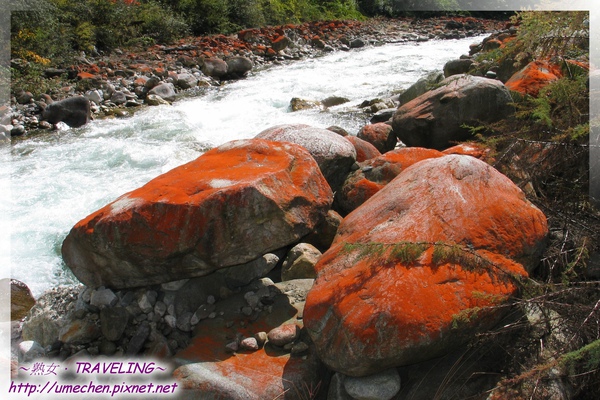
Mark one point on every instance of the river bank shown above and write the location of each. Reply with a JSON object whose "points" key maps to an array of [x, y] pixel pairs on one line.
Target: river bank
{"points": [[118, 84]]}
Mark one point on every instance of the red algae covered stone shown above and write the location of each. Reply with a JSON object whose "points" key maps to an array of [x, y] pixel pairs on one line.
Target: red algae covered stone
{"points": [[229, 206], [377, 172], [533, 77], [421, 266]]}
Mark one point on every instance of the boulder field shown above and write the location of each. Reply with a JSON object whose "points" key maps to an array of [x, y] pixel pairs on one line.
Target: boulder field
{"points": [[211, 264]]}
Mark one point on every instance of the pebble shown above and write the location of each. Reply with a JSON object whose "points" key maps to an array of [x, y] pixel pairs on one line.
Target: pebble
{"points": [[283, 335]]}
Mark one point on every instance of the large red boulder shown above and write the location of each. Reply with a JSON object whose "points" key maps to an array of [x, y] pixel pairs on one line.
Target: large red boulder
{"points": [[422, 266], [229, 206], [533, 77], [375, 173]]}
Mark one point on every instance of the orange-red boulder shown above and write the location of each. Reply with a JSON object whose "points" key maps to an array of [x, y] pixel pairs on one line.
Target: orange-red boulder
{"points": [[533, 77], [229, 206], [375, 173], [476, 150], [379, 135], [422, 266], [364, 150]]}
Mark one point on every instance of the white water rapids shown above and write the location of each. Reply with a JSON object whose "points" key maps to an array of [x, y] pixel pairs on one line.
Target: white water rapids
{"points": [[59, 178]]}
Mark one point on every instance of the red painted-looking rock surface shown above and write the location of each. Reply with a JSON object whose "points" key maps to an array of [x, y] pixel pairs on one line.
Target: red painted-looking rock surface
{"points": [[229, 206], [419, 268]]}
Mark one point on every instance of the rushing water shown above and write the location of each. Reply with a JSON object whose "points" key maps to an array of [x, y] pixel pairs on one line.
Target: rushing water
{"points": [[58, 179]]}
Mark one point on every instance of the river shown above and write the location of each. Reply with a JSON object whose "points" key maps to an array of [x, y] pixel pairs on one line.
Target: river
{"points": [[59, 178]]}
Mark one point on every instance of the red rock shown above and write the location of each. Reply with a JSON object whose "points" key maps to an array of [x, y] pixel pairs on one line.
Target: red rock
{"points": [[86, 75], [364, 150], [533, 77], [375, 173], [379, 135], [229, 206], [476, 150], [472, 235]]}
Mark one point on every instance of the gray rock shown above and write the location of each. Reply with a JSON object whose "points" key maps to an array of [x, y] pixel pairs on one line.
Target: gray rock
{"points": [[455, 67], [184, 322], [113, 322], [147, 301], [186, 81], [74, 111], [165, 91], [214, 67], [438, 118], [382, 386], [300, 262], [160, 308], [95, 96], [139, 338], [103, 298], [118, 98], [52, 311], [334, 101], [30, 350], [241, 275], [420, 87], [334, 154], [238, 67], [249, 344], [383, 115], [357, 43]]}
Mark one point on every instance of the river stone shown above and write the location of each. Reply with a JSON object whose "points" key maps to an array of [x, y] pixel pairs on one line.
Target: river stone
{"points": [[440, 117], [156, 100], [282, 335], [456, 67], [53, 310], [79, 331], [139, 338], [420, 87], [382, 386], [238, 67], [380, 135], [300, 262], [377, 172], [334, 154], [30, 350], [399, 285], [214, 67], [186, 81], [364, 149], [103, 298], [165, 91], [74, 111], [21, 299], [202, 216], [240, 275], [113, 322]]}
